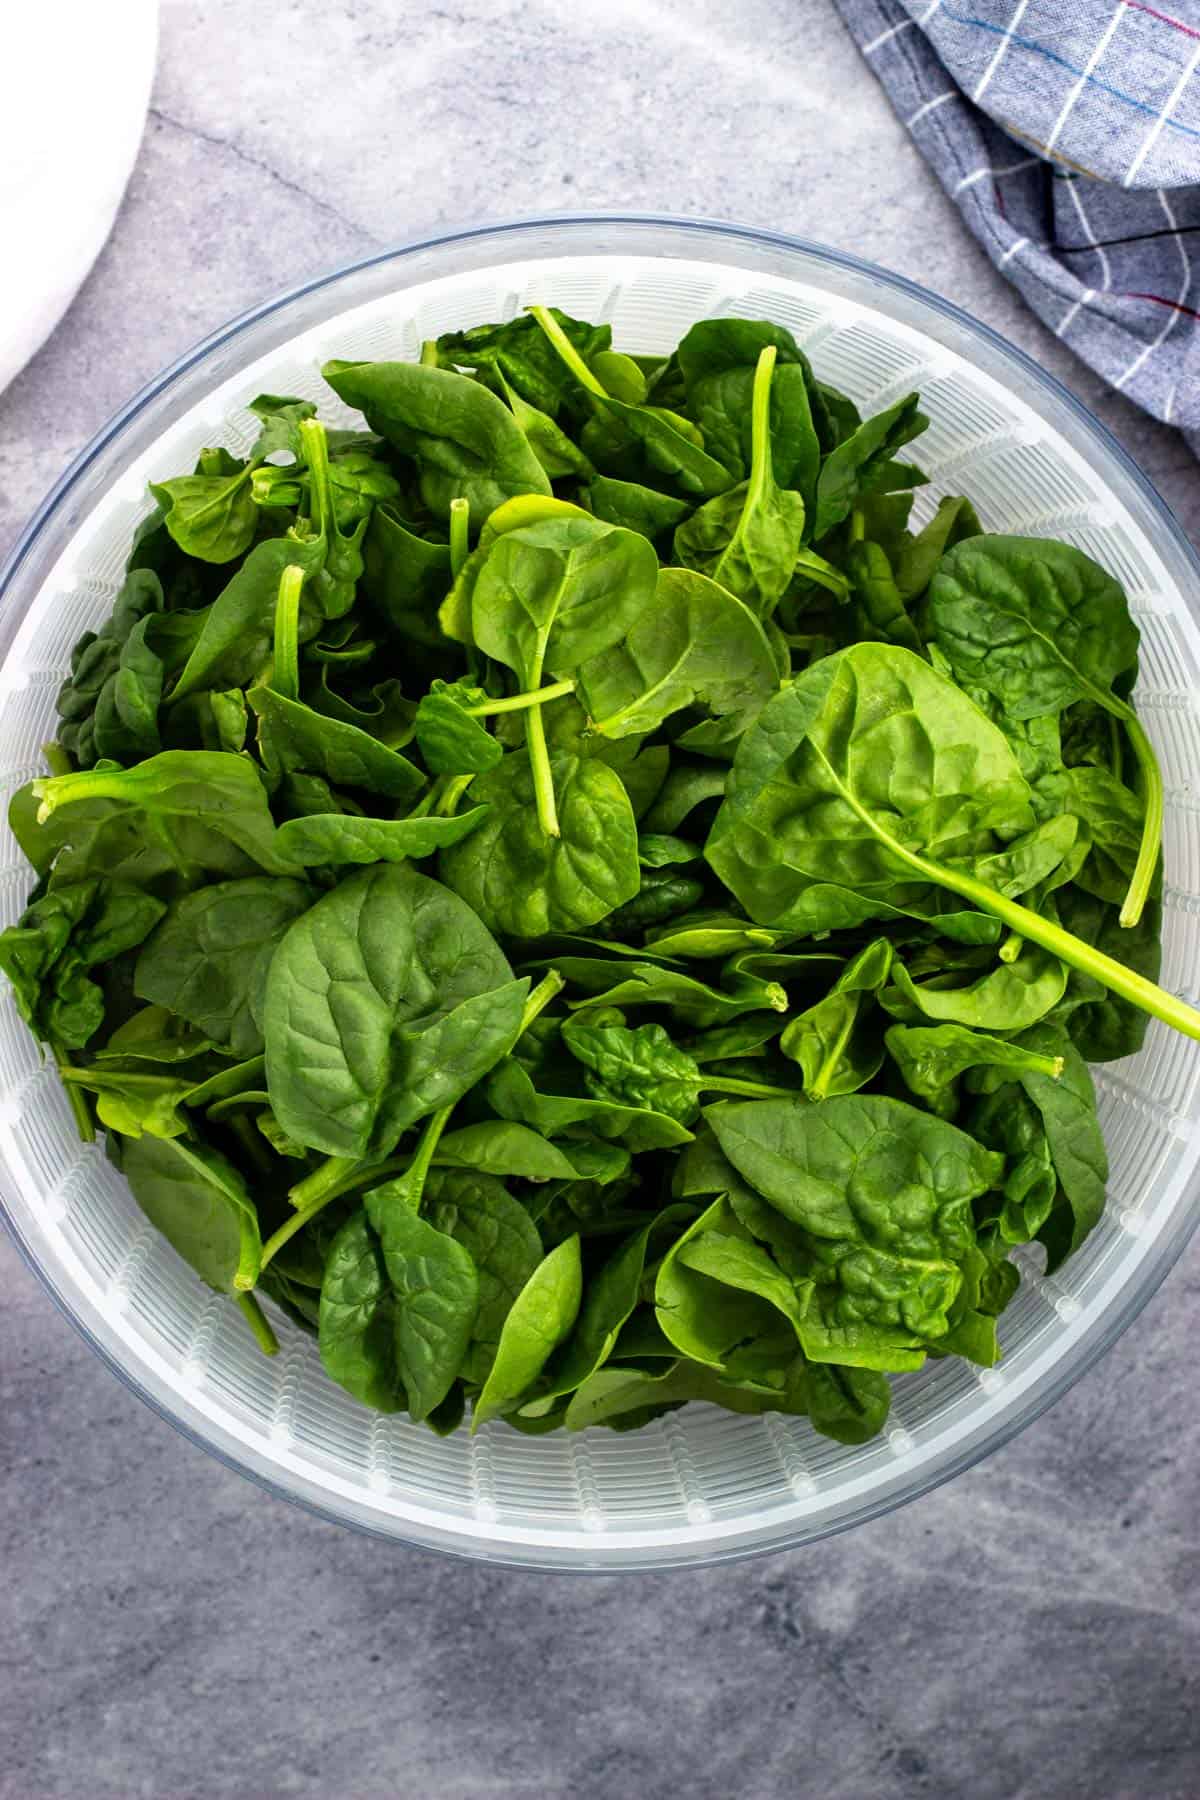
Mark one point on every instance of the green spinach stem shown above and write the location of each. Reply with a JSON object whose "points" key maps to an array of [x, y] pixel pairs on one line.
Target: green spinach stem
{"points": [[568, 352], [1152, 794], [259, 1324], [455, 788], [554, 690], [429, 354], [460, 522], [81, 1107], [539, 998], [58, 760], [285, 672], [323, 1181], [543, 779]]}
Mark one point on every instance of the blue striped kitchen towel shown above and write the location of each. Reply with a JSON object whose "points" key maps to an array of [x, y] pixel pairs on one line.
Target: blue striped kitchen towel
{"points": [[1067, 132]]}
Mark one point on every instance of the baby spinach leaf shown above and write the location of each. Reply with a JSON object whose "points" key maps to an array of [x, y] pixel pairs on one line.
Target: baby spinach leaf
{"points": [[687, 786], [465, 440], [553, 594], [634, 506], [207, 961], [1009, 997], [860, 459], [919, 556], [696, 645], [556, 452], [1041, 626], [644, 1068], [511, 1093], [662, 438], [835, 1048], [436, 1293], [357, 1320], [211, 516], [1068, 1108], [609, 1298], [59, 938], [815, 812], [186, 807], [540, 1318], [200, 1203], [932, 1058], [405, 575], [523, 883], [234, 645], [504, 1147], [293, 737], [849, 1405], [132, 1101], [451, 740], [108, 705], [733, 1328], [748, 539], [497, 1232], [519, 350], [386, 1000], [885, 1193], [633, 983], [333, 839]]}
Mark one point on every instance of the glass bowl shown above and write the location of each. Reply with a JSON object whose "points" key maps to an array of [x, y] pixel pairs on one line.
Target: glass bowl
{"points": [[699, 1485]]}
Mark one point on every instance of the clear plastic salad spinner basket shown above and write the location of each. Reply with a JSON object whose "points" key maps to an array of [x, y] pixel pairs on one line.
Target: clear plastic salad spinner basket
{"points": [[699, 1484]]}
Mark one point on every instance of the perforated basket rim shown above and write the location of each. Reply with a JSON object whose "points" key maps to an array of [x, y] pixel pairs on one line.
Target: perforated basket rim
{"points": [[1081, 1343]]}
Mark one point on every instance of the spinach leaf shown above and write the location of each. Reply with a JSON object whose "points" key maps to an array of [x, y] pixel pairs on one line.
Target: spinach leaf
{"points": [[519, 351], [210, 515], [695, 645], [108, 705], [817, 832], [357, 1319], [1009, 997], [234, 645], [932, 1059], [405, 575], [885, 1193], [451, 739], [748, 539], [502, 1241], [747, 1335], [386, 1000], [861, 459], [662, 439], [59, 938], [540, 1318], [834, 1046], [465, 440], [523, 883], [1041, 626], [610, 1296], [207, 961], [644, 1068], [293, 737], [192, 812], [511, 1092], [436, 1291], [200, 1203], [336, 838], [634, 506]]}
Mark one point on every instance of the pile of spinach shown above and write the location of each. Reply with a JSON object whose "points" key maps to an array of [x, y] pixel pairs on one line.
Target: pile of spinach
{"points": [[572, 899]]}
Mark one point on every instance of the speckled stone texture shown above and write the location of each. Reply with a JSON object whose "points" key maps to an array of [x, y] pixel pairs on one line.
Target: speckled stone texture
{"points": [[167, 1630]]}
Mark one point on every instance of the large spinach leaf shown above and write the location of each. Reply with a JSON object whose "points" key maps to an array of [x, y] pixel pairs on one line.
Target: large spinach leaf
{"points": [[386, 1000]]}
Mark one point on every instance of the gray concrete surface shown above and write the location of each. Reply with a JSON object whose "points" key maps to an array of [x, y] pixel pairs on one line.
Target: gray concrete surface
{"points": [[167, 1630]]}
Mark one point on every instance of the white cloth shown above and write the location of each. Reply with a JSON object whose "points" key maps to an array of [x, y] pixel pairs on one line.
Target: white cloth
{"points": [[75, 81]]}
